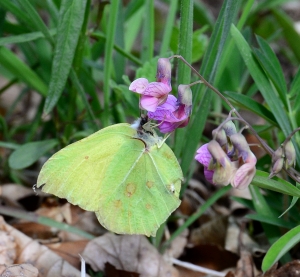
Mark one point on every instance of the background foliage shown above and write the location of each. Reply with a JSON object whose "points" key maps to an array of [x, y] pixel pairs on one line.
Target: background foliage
{"points": [[66, 65]]}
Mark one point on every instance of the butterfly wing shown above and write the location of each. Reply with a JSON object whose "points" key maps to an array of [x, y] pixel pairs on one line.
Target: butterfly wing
{"points": [[146, 196], [77, 171]]}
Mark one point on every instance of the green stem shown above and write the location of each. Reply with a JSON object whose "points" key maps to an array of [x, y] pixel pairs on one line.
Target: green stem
{"points": [[185, 50]]}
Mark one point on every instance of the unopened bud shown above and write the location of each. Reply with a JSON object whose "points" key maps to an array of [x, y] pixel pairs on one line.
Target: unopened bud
{"points": [[229, 128], [164, 71], [185, 95], [278, 154], [290, 154], [277, 167]]}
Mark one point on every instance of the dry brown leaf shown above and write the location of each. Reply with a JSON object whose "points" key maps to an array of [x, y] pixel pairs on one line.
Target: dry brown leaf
{"points": [[130, 253], [29, 251], [26, 270], [245, 266], [7, 248]]}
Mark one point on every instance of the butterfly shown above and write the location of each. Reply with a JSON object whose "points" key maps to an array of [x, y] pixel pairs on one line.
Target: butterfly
{"points": [[124, 173]]}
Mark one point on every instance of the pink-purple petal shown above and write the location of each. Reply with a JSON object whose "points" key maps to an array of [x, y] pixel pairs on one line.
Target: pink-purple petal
{"points": [[149, 103], [203, 156], [243, 176], [139, 85], [157, 89]]}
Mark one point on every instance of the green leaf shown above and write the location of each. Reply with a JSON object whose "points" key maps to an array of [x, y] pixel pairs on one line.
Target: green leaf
{"points": [[36, 19], [271, 220], [251, 105], [280, 247], [295, 86], [68, 31], [15, 10], [294, 201], [262, 82], [24, 37], [291, 35], [261, 180], [272, 67], [21, 71], [29, 153], [209, 67]]}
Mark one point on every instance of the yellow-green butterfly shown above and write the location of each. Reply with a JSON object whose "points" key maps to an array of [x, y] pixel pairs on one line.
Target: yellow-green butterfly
{"points": [[125, 174]]}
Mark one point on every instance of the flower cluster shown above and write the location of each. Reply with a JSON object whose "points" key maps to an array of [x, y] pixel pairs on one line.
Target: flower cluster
{"points": [[227, 158], [169, 111]]}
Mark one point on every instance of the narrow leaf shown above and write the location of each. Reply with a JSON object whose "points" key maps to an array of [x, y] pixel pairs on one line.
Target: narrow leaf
{"points": [[291, 35], [68, 31], [24, 37], [261, 180], [271, 220], [251, 105], [280, 247], [263, 84], [29, 153], [36, 19], [21, 71]]}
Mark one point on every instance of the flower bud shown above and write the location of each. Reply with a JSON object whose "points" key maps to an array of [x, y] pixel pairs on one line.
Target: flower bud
{"points": [[229, 128], [164, 71], [185, 95], [290, 154], [278, 154], [277, 167]]}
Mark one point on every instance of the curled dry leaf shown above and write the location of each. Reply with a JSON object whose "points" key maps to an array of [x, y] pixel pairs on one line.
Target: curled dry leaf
{"points": [[26, 270], [131, 253], [29, 251]]}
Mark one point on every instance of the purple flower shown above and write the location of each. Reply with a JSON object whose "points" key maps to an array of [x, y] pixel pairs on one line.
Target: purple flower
{"points": [[155, 93], [218, 169], [174, 113], [221, 168]]}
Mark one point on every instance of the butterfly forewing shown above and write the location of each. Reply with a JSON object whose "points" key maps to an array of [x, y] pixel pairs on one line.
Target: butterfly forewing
{"points": [[77, 171]]}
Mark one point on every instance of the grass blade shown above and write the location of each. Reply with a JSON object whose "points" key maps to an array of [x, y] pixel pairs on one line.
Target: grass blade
{"points": [[36, 19]]}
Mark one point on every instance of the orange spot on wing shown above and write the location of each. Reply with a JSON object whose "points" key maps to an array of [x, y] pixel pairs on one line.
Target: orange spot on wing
{"points": [[149, 184], [130, 189], [118, 204]]}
